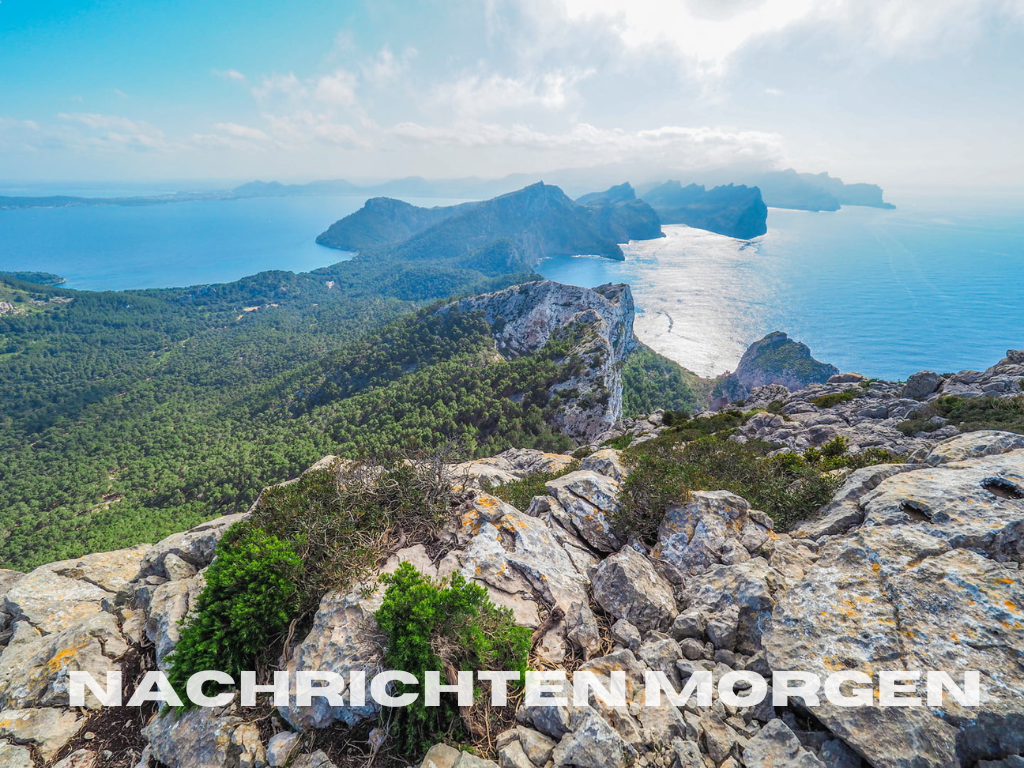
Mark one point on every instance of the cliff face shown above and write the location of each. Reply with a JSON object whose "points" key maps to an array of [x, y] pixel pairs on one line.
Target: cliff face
{"points": [[620, 216], [736, 211], [775, 359], [526, 317]]}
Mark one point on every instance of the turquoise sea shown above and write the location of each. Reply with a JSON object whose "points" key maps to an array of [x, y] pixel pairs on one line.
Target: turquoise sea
{"points": [[933, 284]]}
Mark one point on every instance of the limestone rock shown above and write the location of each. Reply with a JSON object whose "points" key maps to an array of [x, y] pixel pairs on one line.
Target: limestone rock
{"points": [[844, 512], [775, 746], [628, 587], [178, 569], [344, 638], [80, 758], [196, 546], [700, 533], [974, 445], [51, 602], [607, 462], [317, 759], [588, 498], [896, 598], [922, 384], [203, 738], [34, 668], [592, 743], [15, 756], [441, 756], [513, 464], [280, 748], [749, 586], [46, 729], [169, 604], [976, 503]]}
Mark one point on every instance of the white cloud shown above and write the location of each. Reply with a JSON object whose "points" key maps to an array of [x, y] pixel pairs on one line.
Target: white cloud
{"points": [[338, 89], [386, 68], [229, 74], [474, 95], [242, 131], [111, 133], [707, 33], [121, 93], [676, 146]]}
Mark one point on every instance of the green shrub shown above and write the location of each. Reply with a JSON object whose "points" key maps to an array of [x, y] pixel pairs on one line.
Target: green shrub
{"points": [[675, 418], [969, 414], [835, 455], [827, 401], [247, 603], [445, 627], [519, 493], [620, 442], [664, 472]]}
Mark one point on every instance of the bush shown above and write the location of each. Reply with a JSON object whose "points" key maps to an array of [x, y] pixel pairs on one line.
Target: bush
{"points": [[447, 627], [519, 493], [620, 442], [968, 414], [341, 519], [247, 603], [827, 401], [664, 472]]}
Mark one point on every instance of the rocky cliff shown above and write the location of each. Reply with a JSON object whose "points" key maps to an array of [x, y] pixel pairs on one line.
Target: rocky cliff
{"points": [[736, 211], [621, 216], [524, 318], [911, 566], [775, 359]]}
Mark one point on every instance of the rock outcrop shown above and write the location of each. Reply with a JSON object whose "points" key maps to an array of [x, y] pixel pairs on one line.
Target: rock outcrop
{"points": [[736, 211], [600, 323], [775, 359]]}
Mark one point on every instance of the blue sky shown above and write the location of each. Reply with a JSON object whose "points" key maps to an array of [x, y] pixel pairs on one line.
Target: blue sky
{"points": [[899, 92]]}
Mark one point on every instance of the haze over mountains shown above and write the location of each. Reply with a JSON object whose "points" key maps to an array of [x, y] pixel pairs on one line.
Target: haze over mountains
{"points": [[779, 189]]}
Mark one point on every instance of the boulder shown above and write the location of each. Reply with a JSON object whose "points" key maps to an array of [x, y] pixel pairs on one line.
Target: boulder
{"points": [[204, 738], [34, 668], [921, 385], [15, 756], [47, 729], [607, 462], [628, 587], [588, 498], [749, 586], [710, 528], [899, 598], [775, 746], [280, 748], [592, 743], [196, 546]]}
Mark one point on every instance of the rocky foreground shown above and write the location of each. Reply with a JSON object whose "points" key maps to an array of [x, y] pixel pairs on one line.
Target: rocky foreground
{"points": [[912, 566]]}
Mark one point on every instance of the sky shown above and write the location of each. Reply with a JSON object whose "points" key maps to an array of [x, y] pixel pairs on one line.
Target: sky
{"points": [[911, 93]]}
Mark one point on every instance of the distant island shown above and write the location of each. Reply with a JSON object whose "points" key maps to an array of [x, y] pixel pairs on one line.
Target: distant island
{"points": [[509, 233]]}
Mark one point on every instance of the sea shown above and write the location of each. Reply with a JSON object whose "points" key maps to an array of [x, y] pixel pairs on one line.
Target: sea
{"points": [[936, 284]]}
